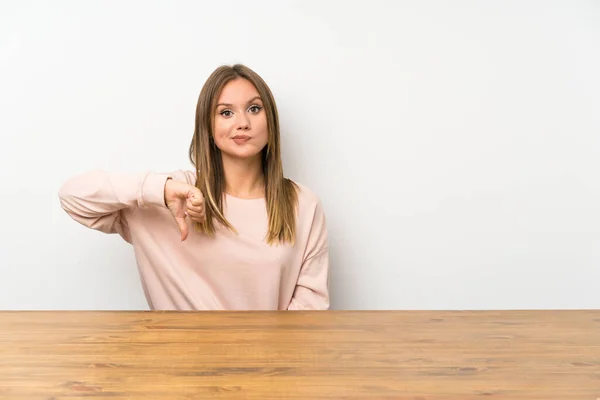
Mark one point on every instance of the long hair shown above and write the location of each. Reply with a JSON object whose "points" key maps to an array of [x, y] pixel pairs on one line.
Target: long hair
{"points": [[280, 193]]}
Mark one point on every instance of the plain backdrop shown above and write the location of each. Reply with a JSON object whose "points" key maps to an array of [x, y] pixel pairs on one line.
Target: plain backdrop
{"points": [[455, 145]]}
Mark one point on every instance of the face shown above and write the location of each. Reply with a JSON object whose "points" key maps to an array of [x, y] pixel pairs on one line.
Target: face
{"points": [[240, 123]]}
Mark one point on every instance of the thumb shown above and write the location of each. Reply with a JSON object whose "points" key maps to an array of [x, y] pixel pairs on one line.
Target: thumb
{"points": [[182, 224], [195, 193]]}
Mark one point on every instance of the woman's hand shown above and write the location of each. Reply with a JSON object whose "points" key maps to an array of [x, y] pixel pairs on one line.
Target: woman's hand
{"points": [[184, 200]]}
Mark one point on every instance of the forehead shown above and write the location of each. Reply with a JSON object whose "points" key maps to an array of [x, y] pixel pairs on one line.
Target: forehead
{"points": [[237, 91]]}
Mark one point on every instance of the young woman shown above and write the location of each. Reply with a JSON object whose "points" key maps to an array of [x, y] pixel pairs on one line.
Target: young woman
{"points": [[234, 234]]}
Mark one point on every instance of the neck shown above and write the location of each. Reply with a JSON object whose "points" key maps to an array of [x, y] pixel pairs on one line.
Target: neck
{"points": [[244, 177]]}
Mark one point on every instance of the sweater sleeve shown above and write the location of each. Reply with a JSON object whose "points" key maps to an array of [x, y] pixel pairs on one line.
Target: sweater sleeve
{"points": [[97, 199], [312, 288]]}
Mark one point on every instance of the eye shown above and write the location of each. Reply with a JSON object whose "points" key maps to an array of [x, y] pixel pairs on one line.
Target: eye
{"points": [[226, 113], [255, 109]]}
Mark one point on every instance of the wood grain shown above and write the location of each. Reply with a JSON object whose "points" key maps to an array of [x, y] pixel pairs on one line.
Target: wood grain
{"points": [[416, 355]]}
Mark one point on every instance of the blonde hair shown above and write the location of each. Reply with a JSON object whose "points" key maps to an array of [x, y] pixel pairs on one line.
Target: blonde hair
{"points": [[280, 193]]}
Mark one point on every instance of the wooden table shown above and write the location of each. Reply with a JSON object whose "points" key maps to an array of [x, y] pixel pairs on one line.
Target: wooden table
{"points": [[309, 355]]}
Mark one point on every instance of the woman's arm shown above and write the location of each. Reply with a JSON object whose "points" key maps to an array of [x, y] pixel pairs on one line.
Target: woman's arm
{"points": [[312, 288], [97, 198]]}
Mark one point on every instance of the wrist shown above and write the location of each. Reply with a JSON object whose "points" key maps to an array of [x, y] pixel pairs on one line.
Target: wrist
{"points": [[153, 190], [166, 190]]}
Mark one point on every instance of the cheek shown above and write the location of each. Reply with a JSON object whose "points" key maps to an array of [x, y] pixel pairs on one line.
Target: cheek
{"points": [[263, 127], [221, 128]]}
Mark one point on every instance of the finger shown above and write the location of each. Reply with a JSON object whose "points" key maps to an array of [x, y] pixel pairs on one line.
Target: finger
{"points": [[198, 220], [183, 228], [196, 217], [195, 192], [195, 212], [196, 201], [194, 207], [195, 195]]}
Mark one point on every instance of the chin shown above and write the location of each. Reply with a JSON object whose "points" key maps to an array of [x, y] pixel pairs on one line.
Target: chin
{"points": [[242, 154]]}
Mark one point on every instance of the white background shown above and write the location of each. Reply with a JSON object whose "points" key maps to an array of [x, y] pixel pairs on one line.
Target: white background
{"points": [[455, 144]]}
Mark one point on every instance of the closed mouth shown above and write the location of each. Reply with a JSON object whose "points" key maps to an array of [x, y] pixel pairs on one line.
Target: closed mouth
{"points": [[241, 137]]}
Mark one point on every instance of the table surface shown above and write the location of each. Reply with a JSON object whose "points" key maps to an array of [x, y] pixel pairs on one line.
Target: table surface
{"points": [[416, 355]]}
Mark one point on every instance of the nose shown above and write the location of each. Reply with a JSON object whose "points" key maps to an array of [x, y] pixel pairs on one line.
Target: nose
{"points": [[243, 123]]}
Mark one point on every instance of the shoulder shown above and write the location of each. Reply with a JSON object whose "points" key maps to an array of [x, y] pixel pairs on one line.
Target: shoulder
{"points": [[311, 222], [306, 194], [309, 202]]}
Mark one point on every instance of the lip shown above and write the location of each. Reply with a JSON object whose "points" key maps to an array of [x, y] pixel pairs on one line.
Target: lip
{"points": [[240, 139]]}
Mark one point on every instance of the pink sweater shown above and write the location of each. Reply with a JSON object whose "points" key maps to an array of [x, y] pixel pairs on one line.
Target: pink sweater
{"points": [[227, 272]]}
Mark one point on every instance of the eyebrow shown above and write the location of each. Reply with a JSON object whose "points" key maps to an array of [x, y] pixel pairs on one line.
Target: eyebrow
{"points": [[231, 105]]}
